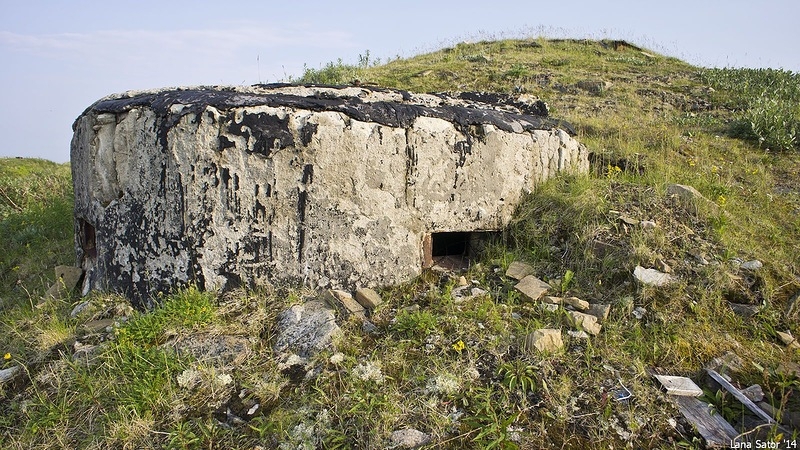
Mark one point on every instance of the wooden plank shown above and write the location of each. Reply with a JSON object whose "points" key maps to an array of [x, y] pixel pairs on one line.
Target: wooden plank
{"points": [[713, 427], [679, 385], [739, 396]]}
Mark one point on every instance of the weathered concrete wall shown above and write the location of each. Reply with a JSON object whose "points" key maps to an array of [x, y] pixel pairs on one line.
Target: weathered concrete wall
{"points": [[334, 187]]}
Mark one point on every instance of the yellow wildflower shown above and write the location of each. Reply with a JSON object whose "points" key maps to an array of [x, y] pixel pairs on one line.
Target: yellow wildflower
{"points": [[459, 346], [7, 356]]}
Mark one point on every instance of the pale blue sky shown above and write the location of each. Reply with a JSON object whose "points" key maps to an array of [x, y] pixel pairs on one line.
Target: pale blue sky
{"points": [[58, 57]]}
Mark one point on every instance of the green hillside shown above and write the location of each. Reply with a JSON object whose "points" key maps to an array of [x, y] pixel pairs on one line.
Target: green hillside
{"points": [[456, 368]]}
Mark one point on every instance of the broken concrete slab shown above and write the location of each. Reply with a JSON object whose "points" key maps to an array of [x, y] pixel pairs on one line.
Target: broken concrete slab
{"points": [[519, 270], [532, 288], [544, 340]]}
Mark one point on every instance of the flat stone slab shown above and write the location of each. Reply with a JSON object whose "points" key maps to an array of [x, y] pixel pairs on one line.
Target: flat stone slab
{"points": [[545, 340], [368, 298], [532, 288], [519, 270], [306, 328]]}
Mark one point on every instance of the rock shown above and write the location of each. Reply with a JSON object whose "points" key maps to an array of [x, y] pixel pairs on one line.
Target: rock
{"points": [[408, 438], [344, 302], [544, 340], [579, 334], [729, 362], [754, 393], [788, 339], [99, 326], [9, 374], [462, 281], [368, 298], [208, 348], [549, 307], [67, 278], [687, 194], [594, 87], [663, 266], [552, 300], [79, 309], [628, 220], [328, 186], [752, 265], [519, 270], [648, 225], [532, 288], [600, 311], [575, 302], [585, 322], [368, 327], [639, 313], [744, 310], [652, 277], [305, 328]]}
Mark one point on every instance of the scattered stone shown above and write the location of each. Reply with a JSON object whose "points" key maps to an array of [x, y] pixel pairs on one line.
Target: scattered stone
{"points": [[545, 340], [594, 87], [343, 301], [532, 288], [755, 393], [99, 326], [788, 339], [477, 292], [729, 362], [685, 193], [639, 312], [585, 322], [648, 225], [306, 328], [462, 280], [79, 309], [663, 266], [600, 311], [652, 277], [549, 307], [752, 265], [9, 374], [518, 270], [408, 438], [552, 300], [410, 309], [368, 327], [743, 310], [628, 220], [575, 302], [214, 349], [368, 298], [579, 334], [67, 278]]}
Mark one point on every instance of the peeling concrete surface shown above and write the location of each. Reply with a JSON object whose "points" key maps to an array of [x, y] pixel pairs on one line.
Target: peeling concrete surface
{"points": [[331, 187]]}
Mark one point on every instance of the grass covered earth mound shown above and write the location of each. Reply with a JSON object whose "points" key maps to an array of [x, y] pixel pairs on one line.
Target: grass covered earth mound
{"points": [[198, 371]]}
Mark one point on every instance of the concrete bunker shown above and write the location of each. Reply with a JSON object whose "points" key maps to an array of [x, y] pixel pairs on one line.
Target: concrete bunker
{"points": [[336, 187]]}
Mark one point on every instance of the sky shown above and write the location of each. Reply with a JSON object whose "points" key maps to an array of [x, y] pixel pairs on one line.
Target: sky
{"points": [[59, 57]]}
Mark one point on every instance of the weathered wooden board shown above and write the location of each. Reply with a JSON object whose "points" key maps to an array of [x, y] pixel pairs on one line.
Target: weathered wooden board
{"points": [[740, 396], [713, 427]]}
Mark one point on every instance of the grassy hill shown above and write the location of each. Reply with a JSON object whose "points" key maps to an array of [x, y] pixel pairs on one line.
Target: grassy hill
{"points": [[109, 377]]}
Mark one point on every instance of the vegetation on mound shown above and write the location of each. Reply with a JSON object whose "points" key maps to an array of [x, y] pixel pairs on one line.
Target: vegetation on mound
{"points": [[454, 366]]}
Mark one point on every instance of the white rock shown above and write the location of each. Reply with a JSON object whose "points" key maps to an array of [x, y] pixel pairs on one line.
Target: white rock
{"points": [[408, 438], [652, 277], [752, 265], [532, 288]]}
